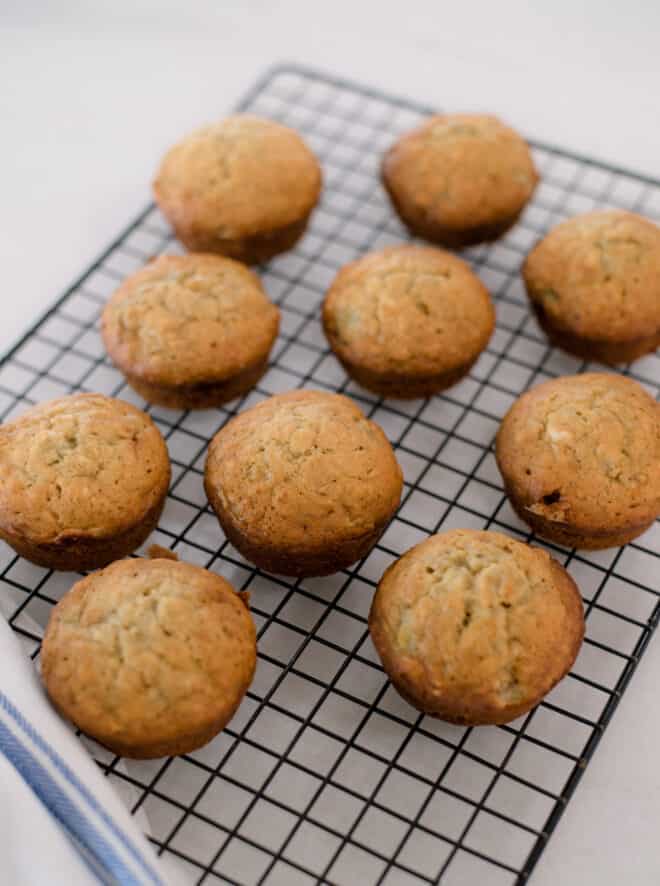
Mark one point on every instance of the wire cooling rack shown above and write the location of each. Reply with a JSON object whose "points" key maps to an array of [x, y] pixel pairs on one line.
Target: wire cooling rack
{"points": [[325, 775]]}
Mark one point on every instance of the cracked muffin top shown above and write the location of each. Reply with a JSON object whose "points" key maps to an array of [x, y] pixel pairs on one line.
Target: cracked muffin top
{"points": [[476, 627], [241, 176], [409, 311], [149, 655], [83, 465], [584, 451], [597, 276], [191, 319], [301, 470], [460, 173]]}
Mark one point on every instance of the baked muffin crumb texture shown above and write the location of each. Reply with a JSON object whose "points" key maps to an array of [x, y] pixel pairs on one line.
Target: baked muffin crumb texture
{"points": [[580, 458], [151, 657], [243, 187], [190, 328], [84, 469], [301, 477], [476, 627], [408, 319], [594, 282], [459, 179]]}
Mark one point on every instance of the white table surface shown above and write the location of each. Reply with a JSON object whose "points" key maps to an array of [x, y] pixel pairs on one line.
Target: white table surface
{"points": [[92, 93]]}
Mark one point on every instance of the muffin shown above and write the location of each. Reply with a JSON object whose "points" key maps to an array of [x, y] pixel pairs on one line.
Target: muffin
{"points": [[243, 187], [474, 627], [83, 480], [459, 179], [149, 657], [594, 284], [580, 459], [407, 321], [191, 331], [303, 483]]}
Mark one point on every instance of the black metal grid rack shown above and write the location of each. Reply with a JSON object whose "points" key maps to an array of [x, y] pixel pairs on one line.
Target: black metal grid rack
{"points": [[325, 775]]}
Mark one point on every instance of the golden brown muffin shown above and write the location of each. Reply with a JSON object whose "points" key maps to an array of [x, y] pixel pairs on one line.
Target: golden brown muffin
{"points": [[459, 179], [594, 283], [149, 657], [83, 480], [407, 321], [191, 331], [580, 459], [303, 483], [243, 187], [474, 627]]}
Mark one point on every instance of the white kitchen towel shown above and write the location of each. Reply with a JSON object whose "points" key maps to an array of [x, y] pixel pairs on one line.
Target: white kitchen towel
{"points": [[60, 820]]}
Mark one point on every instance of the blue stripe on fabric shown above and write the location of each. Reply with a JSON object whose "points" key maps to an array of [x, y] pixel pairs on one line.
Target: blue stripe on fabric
{"points": [[62, 807], [94, 864], [85, 793]]}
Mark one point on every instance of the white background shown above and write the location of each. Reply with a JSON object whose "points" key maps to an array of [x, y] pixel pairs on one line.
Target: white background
{"points": [[92, 93]]}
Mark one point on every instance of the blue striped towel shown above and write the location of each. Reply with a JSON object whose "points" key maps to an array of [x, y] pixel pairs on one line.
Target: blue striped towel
{"points": [[64, 822]]}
